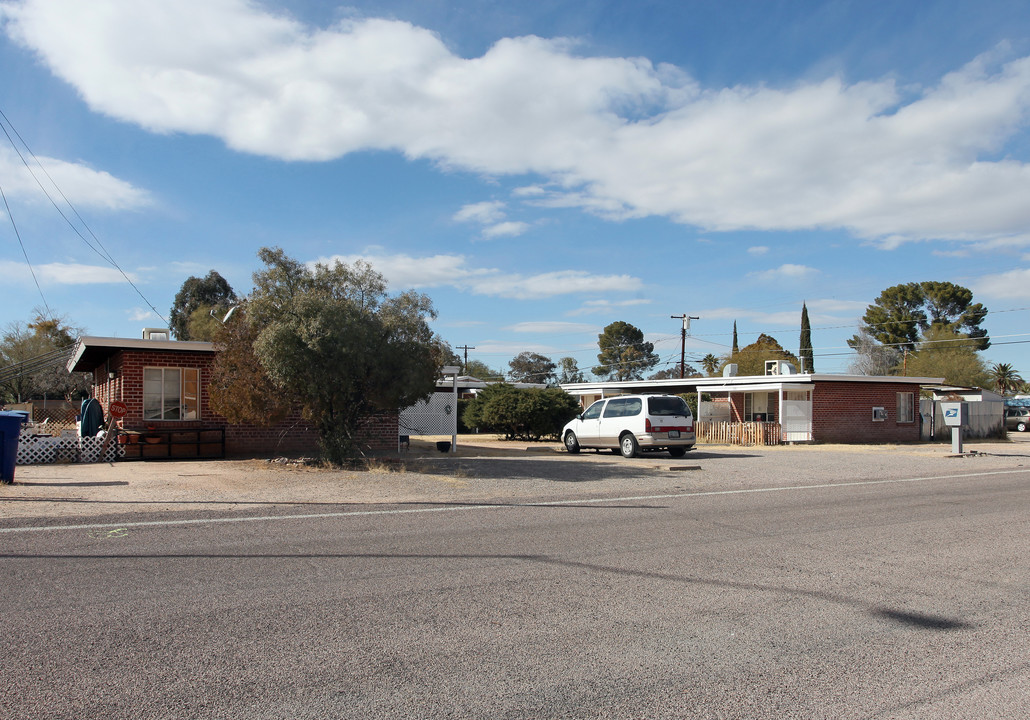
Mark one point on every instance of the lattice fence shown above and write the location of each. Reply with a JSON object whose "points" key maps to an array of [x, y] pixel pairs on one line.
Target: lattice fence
{"points": [[437, 416], [35, 450]]}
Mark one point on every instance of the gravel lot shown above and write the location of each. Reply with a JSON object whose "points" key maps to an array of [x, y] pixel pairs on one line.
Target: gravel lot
{"points": [[483, 470]]}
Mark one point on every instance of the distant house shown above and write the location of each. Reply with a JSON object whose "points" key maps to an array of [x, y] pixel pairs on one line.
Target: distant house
{"points": [[806, 407], [164, 384]]}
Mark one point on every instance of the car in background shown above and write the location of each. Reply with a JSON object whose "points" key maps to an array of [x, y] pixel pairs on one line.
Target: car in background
{"points": [[1017, 418], [633, 423]]}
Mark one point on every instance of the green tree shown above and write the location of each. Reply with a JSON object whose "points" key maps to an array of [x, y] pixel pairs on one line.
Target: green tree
{"points": [[481, 371], [751, 359], [1005, 379], [32, 361], [710, 363], [945, 353], [903, 312], [212, 292], [569, 371], [673, 373], [805, 351], [531, 367], [332, 340], [736, 348], [624, 353]]}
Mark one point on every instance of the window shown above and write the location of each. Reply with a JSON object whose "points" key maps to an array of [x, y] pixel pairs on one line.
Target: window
{"points": [[906, 407], [623, 407], [667, 406], [171, 394], [594, 411]]}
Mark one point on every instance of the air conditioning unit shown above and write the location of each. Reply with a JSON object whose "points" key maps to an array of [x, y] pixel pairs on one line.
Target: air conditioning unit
{"points": [[779, 367], [157, 334], [730, 370]]}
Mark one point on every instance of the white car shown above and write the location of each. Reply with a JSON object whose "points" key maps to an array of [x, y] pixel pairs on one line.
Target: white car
{"points": [[631, 423]]}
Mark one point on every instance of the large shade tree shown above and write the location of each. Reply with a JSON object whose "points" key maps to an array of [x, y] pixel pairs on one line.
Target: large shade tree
{"points": [[531, 367], [625, 355], [331, 339], [32, 361], [751, 359], [197, 299], [945, 353], [903, 314]]}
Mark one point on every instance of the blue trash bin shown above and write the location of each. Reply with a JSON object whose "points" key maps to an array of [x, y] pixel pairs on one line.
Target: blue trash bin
{"points": [[10, 429]]}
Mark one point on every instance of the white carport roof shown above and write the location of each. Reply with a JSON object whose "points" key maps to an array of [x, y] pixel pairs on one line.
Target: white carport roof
{"points": [[737, 383]]}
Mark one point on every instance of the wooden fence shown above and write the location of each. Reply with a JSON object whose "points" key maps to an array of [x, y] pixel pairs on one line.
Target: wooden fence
{"points": [[731, 433]]}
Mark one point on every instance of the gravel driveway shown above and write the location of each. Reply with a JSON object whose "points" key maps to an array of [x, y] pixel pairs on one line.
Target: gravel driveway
{"points": [[483, 470]]}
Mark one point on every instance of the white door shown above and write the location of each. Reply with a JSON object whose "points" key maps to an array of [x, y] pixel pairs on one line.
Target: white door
{"points": [[796, 418]]}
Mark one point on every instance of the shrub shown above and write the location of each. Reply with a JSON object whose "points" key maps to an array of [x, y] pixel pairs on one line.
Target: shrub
{"points": [[520, 414]]}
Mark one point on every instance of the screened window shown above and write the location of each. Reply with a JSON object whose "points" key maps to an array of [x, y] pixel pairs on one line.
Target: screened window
{"points": [[171, 394], [906, 407]]}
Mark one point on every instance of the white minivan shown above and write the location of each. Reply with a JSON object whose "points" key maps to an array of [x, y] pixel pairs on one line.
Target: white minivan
{"points": [[631, 423]]}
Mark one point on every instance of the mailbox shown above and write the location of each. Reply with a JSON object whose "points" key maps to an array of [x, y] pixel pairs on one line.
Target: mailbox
{"points": [[956, 414]]}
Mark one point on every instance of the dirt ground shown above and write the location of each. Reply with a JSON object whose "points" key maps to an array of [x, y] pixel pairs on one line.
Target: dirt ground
{"points": [[484, 469]]}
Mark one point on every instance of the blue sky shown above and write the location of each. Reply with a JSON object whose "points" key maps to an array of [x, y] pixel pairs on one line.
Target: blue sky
{"points": [[538, 169]]}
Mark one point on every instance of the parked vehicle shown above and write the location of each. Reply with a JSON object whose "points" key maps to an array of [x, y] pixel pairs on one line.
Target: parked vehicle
{"points": [[632, 423], [1017, 418]]}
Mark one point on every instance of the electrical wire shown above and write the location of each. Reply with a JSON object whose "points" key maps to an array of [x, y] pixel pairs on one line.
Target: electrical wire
{"points": [[99, 248]]}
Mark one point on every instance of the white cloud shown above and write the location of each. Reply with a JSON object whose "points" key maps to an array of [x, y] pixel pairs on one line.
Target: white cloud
{"points": [[1011, 285], [758, 250], [407, 271], [481, 212], [506, 229], [138, 314], [786, 271], [601, 307], [81, 185], [61, 274], [618, 137], [552, 327]]}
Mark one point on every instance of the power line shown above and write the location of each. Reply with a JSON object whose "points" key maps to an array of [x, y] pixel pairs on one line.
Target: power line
{"points": [[21, 243], [102, 251]]}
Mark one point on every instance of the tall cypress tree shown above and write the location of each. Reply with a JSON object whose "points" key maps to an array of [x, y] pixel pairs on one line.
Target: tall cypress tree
{"points": [[736, 348], [805, 353]]}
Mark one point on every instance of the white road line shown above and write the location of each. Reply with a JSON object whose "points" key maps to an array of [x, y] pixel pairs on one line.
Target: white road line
{"points": [[499, 506]]}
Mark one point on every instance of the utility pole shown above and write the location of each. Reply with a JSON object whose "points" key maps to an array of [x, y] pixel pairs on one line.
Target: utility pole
{"points": [[466, 348], [683, 339]]}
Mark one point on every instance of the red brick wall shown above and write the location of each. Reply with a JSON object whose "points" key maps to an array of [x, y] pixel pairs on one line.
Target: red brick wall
{"points": [[842, 412], [294, 435]]}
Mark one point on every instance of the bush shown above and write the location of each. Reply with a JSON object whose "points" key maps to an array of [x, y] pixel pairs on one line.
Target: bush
{"points": [[520, 414]]}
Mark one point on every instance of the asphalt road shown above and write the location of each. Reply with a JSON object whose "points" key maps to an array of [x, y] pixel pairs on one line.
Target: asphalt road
{"points": [[898, 599]]}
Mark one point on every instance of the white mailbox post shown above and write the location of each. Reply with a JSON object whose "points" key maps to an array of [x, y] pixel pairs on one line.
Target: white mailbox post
{"points": [[956, 416]]}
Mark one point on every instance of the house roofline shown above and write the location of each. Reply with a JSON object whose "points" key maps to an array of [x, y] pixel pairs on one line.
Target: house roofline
{"points": [[91, 350]]}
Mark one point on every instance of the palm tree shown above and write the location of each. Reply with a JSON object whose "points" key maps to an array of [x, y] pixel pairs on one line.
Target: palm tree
{"points": [[1005, 378], [709, 362]]}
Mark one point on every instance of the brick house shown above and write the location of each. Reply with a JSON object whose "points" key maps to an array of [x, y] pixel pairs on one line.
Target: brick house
{"points": [[164, 385], [807, 408]]}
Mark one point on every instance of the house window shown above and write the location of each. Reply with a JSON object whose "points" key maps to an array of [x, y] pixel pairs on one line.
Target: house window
{"points": [[171, 394], [906, 407]]}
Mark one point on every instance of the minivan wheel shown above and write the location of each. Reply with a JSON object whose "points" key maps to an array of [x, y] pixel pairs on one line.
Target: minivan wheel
{"points": [[677, 451], [628, 446], [571, 442], [1021, 427]]}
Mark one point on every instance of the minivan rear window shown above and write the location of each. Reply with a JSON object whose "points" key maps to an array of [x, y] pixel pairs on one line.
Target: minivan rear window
{"points": [[667, 406]]}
